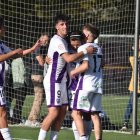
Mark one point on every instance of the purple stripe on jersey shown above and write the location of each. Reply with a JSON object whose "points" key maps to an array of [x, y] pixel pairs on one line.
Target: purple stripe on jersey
{"points": [[54, 67], [74, 83], [77, 93], [2, 74], [52, 79], [61, 75], [52, 93]]}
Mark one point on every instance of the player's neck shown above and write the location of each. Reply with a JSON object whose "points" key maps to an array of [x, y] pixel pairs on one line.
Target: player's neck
{"points": [[62, 36], [90, 41]]}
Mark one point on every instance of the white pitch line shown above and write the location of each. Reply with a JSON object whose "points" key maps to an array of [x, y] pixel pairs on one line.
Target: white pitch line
{"points": [[21, 139]]}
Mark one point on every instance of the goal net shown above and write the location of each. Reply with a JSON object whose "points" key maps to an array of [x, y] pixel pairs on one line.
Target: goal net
{"points": [[26, 19]]}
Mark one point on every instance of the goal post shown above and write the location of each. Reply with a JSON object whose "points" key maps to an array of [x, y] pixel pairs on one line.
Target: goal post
{"points": [[26, 19]]}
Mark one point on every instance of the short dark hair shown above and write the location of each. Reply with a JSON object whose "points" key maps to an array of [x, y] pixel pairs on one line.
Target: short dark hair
{"points": [[60, 17], [77, 35], [94, 30], [1, 21]]}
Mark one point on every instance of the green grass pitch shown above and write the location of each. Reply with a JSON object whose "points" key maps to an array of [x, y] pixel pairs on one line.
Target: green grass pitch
{"points": [[114, 106], [27, 133]]}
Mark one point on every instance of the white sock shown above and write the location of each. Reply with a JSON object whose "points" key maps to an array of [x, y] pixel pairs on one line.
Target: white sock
{"points": [[42, 134], [54, 135], [6, 133], [88, 128], [75, 131], [83, 138]]}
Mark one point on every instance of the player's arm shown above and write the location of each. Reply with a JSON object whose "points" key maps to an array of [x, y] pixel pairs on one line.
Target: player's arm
{"points": [[12, 54], [82, 68], [73, 57], [30, 50]]}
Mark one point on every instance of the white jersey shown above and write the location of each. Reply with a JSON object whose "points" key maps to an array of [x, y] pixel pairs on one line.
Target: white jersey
{"points": [[72, 83], [57, 69], [92, 79]]}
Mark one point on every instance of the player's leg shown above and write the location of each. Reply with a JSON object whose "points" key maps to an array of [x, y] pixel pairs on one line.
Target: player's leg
{"points": [[71, 106], [61, 92], [53, 113], [71, 100], [53, 110], [87, 123], [77, 117], [80, 102], [9, 97], [95, 110], [75, 131], [3, 117], [56, 108], [56, 126], [97, 125]]}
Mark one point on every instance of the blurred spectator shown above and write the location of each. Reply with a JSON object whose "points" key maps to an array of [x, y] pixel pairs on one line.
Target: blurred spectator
{"points": [[17, 90], [129, 107], [38, 61]]}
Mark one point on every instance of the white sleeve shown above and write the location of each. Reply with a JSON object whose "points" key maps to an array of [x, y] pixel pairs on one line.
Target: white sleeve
{"points": [[61, 47], [85, 56]]}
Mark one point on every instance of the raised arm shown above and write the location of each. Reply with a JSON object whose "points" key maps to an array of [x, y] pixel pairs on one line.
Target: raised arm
{"points": [[35, 46], [13, 54]]}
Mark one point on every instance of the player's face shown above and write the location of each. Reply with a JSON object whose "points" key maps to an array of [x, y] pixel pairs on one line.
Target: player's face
{"points": [[75, 43], [88, 35], [2, 31], [44, 40], [62, 28]]}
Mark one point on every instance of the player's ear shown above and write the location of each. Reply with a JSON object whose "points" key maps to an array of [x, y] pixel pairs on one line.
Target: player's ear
{"points": [[56, 26], [82, 36]]}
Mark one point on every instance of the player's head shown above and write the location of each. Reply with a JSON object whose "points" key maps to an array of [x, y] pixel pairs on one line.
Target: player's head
{"points": [[2, 28], [76, 39], [44, 38], [90, 31], [61, 24]]}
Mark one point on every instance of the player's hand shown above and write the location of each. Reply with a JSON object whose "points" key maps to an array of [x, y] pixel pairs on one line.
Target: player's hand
{"points": [[91, 50], [72, 75], [19, 52], [37, 45], [48, 60]]}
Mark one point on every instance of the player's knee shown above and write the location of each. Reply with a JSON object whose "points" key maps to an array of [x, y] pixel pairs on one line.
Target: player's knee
{"points": [[3, 113], [52, 116], [75, 114]]}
